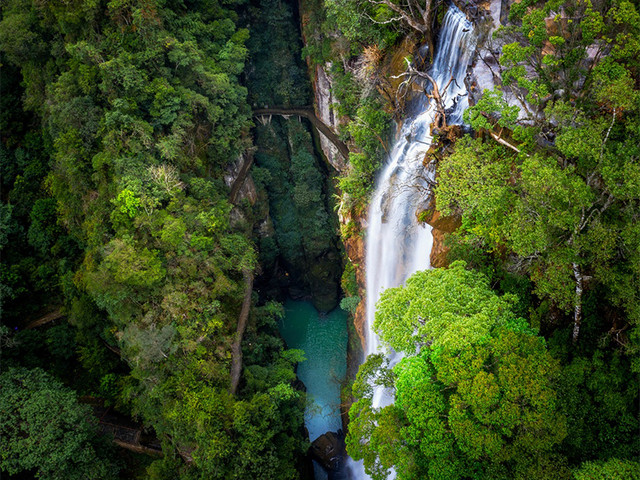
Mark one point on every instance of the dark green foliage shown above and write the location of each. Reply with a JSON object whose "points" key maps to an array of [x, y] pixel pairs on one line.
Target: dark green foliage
{"points": [[599, 396], [300, 237], [43, 429], [305, 235], [141, 110], [276, 75], [35, 249]]}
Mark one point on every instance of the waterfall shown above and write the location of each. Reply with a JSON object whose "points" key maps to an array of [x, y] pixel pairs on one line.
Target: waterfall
{"points": [[396, 244]]}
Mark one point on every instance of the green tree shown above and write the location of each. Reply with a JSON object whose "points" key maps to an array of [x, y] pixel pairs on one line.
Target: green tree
{"points": [[44, 429], [613, 469], [562, 212], [141, 109], [474, 392]]}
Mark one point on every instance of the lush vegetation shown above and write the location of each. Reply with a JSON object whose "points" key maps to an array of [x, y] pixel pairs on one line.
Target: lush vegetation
{"points": [[340, 38], [44, 429], [474, 392], [521, 361], [299, 251], [123, 123], [121, 120]]}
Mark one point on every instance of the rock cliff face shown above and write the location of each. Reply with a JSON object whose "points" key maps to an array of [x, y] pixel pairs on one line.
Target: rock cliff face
{"points": [[324, 101], [440, 225], [354, 247], [239, 180], [484, 73]]}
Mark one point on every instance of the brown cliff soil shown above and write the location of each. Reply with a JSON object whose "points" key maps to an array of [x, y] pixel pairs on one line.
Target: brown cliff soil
{"points": [[354, 247], [440, 225]]}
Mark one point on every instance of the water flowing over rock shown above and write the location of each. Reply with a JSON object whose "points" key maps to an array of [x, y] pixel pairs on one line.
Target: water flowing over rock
{"points": [[397, 244]]}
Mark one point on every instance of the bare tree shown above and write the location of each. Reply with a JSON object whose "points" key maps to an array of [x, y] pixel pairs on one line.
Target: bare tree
{"points": [[436, 94], [166, 176]]}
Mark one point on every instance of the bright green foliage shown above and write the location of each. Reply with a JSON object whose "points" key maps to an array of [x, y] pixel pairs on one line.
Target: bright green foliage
{"points": [[229, 437], [553, 204], [492, 101], [43, 429], [553, 39], [350, 304], [566, 213], [459, 310], [613, 469], [353, 19], [474, 392], [128, 203]]}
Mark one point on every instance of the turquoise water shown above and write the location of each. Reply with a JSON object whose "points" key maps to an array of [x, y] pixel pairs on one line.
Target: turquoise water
{"points": [[324, 341]]}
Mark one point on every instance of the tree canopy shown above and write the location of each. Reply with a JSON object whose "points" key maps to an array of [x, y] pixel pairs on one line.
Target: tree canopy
{"points": [[474, 392], [43, 429]]}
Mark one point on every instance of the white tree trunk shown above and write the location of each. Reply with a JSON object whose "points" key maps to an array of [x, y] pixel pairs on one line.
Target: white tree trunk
{"points": [[577, 314]]}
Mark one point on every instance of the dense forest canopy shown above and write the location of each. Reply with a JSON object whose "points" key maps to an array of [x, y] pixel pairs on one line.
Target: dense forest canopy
{"points": [[122, 125], [127, 266]]}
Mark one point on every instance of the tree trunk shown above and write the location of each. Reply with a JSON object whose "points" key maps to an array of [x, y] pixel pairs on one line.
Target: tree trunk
{"points": [[236, 348], [577, 315]]}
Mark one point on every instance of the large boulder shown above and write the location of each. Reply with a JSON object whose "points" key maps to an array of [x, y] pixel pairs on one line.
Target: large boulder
{"points": [[329, 451]]}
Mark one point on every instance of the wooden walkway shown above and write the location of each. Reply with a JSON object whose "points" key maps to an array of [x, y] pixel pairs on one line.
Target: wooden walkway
{"points": [[125, 432], [308, 113]]}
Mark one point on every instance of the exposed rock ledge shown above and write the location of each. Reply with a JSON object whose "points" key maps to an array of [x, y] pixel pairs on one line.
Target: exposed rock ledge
{"points": [[440, 225], [329, 451]]}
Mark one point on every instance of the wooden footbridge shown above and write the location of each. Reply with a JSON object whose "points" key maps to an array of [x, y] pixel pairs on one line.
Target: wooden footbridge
{"points": [[307, 112]]}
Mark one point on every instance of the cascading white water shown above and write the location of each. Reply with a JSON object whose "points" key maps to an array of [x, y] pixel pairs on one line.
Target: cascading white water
{"points": [[397, 245]]}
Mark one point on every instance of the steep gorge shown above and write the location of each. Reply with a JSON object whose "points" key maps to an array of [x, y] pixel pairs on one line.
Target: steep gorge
{"points": [[297, 230]]}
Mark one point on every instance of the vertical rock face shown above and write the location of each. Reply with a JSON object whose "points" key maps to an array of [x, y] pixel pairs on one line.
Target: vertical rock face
{"points": [[441, 225], [484, 74], [324, 102], [354, 247]]}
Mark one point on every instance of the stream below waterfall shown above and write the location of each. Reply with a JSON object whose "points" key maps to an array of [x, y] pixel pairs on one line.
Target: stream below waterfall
{"points": [[323, 337]]}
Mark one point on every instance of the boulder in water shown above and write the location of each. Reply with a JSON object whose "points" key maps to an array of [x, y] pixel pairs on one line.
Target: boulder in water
{"points": [[329, 451]]}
